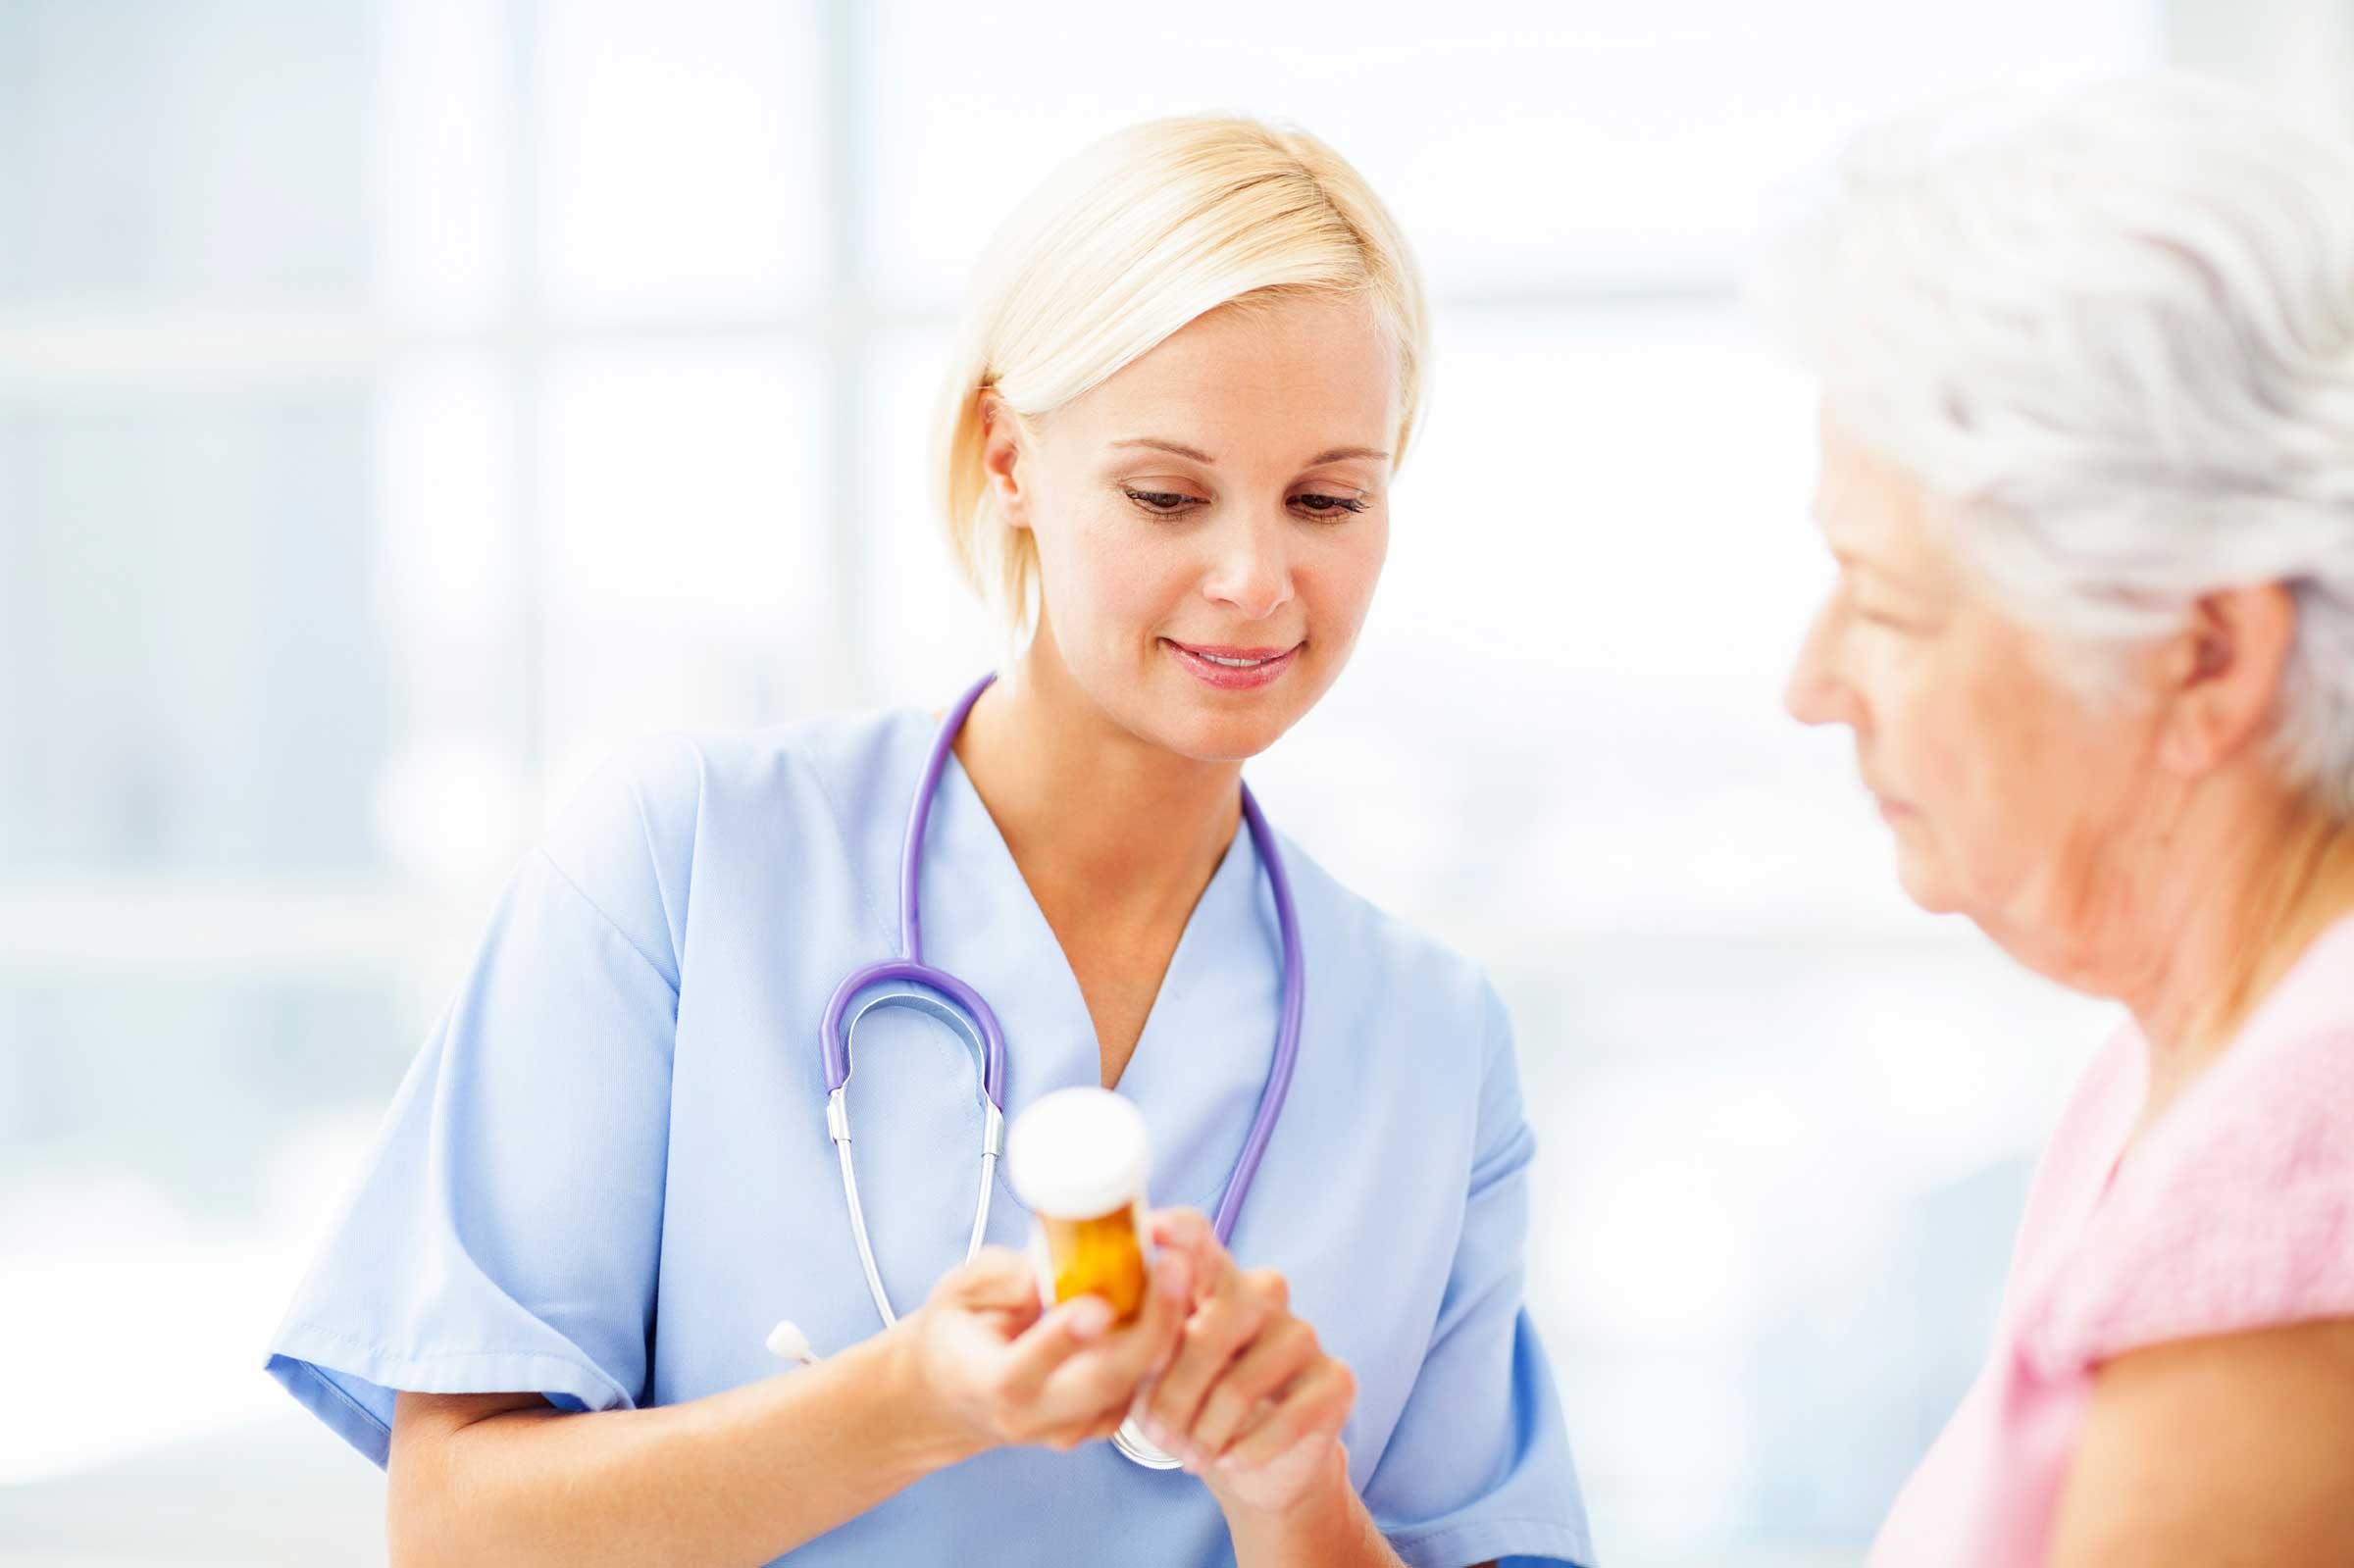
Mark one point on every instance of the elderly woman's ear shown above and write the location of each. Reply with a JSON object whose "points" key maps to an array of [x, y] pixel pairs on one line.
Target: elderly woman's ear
{"points": [[2221, 677]]}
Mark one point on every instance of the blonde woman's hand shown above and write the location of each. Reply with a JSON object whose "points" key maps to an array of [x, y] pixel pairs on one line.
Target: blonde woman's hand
{"points": [[1251, 1401], [996, 1370]]}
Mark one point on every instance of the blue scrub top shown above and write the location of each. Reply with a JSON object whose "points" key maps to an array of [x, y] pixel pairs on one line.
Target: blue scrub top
{"points": [[608, 1175]]}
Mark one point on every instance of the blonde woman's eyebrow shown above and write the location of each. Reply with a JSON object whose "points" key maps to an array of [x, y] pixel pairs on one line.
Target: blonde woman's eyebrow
{"points": [[1178, 447], [1339, 454]]}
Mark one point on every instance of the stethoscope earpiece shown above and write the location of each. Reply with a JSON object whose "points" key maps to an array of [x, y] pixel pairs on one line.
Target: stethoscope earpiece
{"points": [[787, 1342]]}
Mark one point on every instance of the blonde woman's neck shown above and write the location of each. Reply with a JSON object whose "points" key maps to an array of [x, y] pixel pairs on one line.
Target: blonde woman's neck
{"points": [[1107, 827]]}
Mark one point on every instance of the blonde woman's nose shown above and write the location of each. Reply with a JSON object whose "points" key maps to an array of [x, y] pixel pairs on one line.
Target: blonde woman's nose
{"points": [[1251, 572]]}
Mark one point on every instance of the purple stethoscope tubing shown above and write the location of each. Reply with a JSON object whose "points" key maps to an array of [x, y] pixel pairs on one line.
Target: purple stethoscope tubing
{"points": [[1278, 1086], [910, 966], [963, 1008]]}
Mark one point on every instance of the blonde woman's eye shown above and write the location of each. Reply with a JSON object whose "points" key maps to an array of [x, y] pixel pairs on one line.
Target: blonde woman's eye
{"points": [[1319, 504], [1164, 503]]}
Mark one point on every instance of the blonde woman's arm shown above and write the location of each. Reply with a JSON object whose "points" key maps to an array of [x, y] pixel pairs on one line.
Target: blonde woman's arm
{"points": [[745, 1476]]}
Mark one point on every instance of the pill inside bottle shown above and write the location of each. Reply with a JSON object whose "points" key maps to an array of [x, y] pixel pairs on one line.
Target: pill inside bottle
{"points": [[1078, 1158]]}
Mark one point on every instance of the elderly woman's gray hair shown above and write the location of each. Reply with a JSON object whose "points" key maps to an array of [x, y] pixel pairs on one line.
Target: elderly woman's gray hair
{"points": [[2119, 332]]}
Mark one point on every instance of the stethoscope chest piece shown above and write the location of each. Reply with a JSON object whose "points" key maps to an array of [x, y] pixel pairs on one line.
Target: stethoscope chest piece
{"points": [[1130, 1440]]}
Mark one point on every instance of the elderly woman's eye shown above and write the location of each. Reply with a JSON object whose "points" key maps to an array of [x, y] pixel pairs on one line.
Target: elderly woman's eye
{"points": [[1323, 505]]}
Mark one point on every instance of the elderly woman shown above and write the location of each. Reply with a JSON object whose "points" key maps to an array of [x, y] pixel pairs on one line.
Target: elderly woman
{"points": [[2088, 474]]}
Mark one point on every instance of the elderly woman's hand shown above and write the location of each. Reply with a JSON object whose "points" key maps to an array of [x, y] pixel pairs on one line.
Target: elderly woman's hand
{"points": [[1251, 1401]]}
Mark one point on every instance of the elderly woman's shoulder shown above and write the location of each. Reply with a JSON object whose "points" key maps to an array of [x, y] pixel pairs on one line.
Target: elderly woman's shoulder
{"points": [[2234, 1212]]}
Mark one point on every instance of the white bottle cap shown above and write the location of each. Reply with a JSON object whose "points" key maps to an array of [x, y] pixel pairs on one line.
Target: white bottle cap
{"points": [[1079, 1154]]}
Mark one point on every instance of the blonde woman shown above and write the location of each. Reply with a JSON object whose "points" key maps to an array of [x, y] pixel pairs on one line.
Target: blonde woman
{"points": [[2088, 471], [1192, 365]]}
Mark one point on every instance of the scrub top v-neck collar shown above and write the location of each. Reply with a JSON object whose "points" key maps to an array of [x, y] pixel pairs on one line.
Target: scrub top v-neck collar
{"points": [[1211, 1028]]}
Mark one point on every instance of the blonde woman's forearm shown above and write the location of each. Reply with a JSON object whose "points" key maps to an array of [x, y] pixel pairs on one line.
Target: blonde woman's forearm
{"points": [[738, 1478]]}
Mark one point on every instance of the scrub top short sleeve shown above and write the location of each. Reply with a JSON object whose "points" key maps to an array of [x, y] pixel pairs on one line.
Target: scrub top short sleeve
{"points": [[504, 1235], [1468, 1475]]}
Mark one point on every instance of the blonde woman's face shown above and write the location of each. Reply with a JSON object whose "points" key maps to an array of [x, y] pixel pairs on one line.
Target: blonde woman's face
{"points": [[1211, 522]]}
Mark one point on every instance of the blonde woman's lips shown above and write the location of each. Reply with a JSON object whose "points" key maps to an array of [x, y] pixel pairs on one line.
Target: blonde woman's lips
{"points": [[1231, 669]]}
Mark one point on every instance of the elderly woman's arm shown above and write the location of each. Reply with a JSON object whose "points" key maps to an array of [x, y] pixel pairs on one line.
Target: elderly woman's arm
{"points": [[2234, 1449]]}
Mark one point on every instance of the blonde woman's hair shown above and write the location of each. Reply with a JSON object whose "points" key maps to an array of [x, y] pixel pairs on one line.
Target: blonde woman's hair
{"points": [[1142, 232]]}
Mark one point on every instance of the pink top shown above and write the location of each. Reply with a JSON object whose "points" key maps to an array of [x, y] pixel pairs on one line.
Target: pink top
{"points": [[2235, 1212]]}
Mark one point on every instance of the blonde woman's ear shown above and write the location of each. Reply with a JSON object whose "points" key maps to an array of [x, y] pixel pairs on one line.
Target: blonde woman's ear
{"points": [[1005, 445]]}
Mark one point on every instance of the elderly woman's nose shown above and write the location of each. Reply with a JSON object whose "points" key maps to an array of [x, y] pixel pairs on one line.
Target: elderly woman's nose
{"points": [[1812, 694], [1251, 570]]}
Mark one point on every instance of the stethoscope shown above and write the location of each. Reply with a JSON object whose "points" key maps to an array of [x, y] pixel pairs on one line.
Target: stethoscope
{"points": [[952, 1002]]}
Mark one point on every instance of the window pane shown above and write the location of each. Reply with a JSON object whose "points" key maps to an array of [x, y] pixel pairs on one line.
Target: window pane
{"points": [[194, 681], [923, 636], [164, 1162], [683, 495], [1524, 146], [682, 156], [446, 133], [451, 801], [1599, 566], [203, 153]]}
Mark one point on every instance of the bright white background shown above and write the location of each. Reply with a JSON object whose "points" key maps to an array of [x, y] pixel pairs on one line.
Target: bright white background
{"points": [[401, 404]]}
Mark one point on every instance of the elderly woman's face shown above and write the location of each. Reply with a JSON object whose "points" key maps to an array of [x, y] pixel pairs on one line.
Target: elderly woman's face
{"points": [[2006, 790]]}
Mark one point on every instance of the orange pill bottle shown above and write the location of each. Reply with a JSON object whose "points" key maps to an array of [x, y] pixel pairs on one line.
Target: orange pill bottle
{"points": [[1078, 1158]]}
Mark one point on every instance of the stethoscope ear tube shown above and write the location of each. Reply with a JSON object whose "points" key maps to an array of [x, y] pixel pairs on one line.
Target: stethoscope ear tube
{"points": [[837, 1127], [1288, 1022]]}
